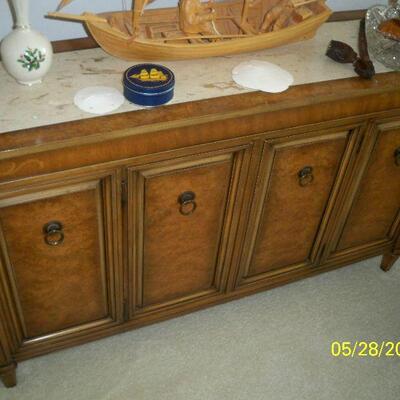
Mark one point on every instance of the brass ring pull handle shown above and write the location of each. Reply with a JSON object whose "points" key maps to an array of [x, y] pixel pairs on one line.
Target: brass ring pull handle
{"points": [[306, 176], [187, 203], [53, 233], [397, 156]]}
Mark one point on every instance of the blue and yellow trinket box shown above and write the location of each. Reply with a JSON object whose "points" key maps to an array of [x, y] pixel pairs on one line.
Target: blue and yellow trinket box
{"points": [[149, 84]]}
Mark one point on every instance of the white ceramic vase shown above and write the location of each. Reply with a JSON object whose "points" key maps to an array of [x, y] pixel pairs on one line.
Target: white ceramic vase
{"points": [[26, 54]]}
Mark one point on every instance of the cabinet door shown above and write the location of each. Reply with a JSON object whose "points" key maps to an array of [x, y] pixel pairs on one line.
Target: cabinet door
{"points": [[58, 253], [375, 211], [181, 215], [298, 182]]}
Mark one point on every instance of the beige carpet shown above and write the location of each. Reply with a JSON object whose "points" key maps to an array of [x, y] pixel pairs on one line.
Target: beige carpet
{"points": [[273, 346]]}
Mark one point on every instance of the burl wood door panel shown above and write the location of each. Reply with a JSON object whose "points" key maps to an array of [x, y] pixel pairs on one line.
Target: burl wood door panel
{"points": [[181, 214], [375, 212], [62, 274], [298, 181]]}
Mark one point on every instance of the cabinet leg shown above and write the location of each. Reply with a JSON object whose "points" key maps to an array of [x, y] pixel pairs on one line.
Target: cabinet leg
{"points": [[8, 375], [388, 261]]}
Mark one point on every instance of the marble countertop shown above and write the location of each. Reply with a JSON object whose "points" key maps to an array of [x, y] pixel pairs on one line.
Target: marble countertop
{"points": [[51, 102]]}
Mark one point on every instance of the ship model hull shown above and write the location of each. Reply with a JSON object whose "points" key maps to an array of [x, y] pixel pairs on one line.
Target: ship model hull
{"points": [[159, 37]]}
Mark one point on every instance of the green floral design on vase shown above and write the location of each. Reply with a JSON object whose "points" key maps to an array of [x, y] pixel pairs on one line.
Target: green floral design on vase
{"points": [[31, 59]]}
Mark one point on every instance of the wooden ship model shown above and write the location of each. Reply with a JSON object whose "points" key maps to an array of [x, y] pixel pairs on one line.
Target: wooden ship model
{"points": [[196, 29]]}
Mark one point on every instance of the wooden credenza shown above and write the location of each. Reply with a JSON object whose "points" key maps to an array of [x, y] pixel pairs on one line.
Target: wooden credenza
{"points": [[112, 223]]}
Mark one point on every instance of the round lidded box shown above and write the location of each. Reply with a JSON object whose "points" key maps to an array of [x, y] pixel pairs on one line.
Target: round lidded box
{"points": [[149, 84]]}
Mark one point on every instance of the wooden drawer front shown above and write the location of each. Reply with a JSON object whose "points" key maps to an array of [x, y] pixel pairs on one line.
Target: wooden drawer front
{"points": [[288, 211], [64, 286], [375, 212], [179, 257]]}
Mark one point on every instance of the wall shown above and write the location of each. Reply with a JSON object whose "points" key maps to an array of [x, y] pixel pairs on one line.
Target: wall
{"points": [[56, 30]]}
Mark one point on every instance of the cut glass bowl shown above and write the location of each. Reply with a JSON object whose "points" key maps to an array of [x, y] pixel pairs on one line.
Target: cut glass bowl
{"points": [[385, 50]]}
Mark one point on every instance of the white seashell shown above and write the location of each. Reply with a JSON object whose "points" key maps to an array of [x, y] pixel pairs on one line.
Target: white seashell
{"points": [[99, 99], [262, 75]]}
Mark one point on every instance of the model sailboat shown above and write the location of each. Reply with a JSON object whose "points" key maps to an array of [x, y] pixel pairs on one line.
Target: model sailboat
{"points": [[196, 29]]}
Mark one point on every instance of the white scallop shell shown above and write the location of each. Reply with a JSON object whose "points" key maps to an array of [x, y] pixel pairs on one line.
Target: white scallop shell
{"points": [[262, 75], [99, 99]]}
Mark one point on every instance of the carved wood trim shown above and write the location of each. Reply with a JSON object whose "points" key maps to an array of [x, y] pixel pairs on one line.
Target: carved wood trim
{"points": [[105, 184], [239, 158], [5, 350], [261, 191], [366, 147]]}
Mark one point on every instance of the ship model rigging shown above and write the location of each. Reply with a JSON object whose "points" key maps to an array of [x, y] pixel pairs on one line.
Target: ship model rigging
{"points": [[196, 29]]}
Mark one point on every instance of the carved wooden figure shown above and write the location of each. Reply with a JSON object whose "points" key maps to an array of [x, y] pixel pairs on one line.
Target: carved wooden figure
{"points": [[196, 17], [277, 16]]}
